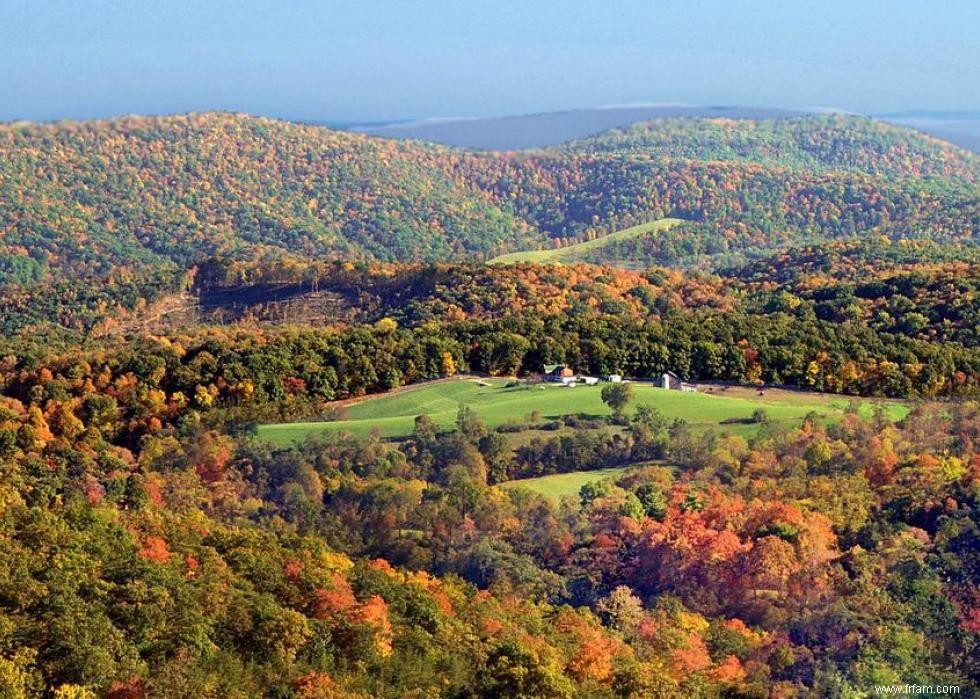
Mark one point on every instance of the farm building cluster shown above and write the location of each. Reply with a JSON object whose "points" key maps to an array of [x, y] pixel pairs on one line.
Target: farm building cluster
{"points": [[565, 375], [560, 373]]}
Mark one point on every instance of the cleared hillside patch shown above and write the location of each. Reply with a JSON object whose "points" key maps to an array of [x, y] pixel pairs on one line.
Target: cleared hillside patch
{"points": [[559, 485], [579, 251]]}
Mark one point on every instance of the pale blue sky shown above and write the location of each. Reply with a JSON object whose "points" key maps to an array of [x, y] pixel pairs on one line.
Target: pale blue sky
{"points": [[372, 60]]}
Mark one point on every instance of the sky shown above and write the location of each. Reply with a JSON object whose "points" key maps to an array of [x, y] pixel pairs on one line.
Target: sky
{"points": [[368, 60]]}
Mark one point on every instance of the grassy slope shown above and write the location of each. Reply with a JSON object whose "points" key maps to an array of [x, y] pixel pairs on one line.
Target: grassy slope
{"points": [[394, 415], [577, 252], [560, 485]]}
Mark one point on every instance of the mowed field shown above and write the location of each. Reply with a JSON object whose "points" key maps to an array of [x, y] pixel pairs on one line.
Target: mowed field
{"points": [[575, 253], [559, 485], [393, 415]]}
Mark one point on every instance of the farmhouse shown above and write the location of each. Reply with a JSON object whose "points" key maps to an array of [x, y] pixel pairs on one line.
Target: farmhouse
{"points": [[672, 382], [559, 373]]}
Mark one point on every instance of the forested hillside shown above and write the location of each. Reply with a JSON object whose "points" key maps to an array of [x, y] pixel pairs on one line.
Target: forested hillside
{"points": [[840, 322], [911, 288], [100, 218], [85, 197], [812, 143]]}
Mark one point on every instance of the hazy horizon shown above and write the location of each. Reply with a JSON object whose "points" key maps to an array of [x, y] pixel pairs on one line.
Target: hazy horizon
{"points": [[385, 62]]}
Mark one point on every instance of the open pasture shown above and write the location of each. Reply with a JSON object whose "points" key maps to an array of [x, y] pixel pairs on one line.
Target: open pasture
{"points": [[393, 415]]}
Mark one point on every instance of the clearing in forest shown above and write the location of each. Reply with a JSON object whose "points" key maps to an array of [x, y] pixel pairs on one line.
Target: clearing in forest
{"points": [[498, 401]]}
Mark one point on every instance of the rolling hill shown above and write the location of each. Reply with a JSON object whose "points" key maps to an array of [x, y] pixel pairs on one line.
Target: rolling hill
{"points": [[100, 217], [834, 143]]}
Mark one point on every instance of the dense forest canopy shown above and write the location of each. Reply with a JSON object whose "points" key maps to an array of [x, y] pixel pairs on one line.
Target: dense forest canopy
{"points": [[152, 548]]}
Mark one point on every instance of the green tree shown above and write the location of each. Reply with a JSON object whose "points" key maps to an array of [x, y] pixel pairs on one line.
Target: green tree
{"points": [[518, 672], [617, 396], [653, 500], [469, 423]]}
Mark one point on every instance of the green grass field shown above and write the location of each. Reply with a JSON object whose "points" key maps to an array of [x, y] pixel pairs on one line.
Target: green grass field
{"points": [[575, 253], [394, 414], [560, 485]]}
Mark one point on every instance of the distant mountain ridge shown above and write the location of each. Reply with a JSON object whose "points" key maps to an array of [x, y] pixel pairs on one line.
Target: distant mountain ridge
{"points": [[544, 129], [937, 114], [960, 128], [521, 132]]}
